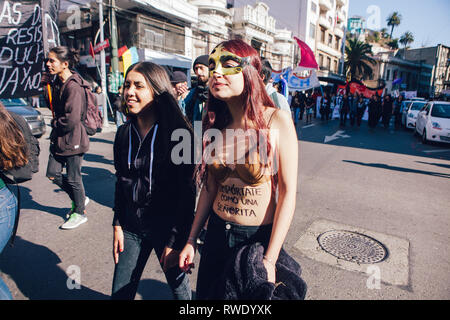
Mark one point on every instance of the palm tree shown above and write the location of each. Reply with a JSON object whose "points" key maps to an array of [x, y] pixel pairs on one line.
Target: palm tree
{"points": [[393, 43], [406, 39], [393, 21], [358, 62]]}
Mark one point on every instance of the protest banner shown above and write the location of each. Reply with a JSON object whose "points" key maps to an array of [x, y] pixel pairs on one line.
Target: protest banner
{"points": [[28, 30]]}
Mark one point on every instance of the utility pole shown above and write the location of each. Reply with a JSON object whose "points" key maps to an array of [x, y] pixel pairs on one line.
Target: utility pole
{"points": [[103, 66], [114, 51]]}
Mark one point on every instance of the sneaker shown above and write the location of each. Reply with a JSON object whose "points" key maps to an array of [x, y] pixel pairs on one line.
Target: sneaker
{"points": [[74, 221], [72, 210]]}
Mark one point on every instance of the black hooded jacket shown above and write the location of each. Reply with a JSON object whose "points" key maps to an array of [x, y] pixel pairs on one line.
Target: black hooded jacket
{"points": [[154, 194]]}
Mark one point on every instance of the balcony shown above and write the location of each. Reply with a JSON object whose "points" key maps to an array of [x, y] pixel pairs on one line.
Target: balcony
{"points": [[219, 6], [324, 22], [338, 32], [325, 5], [174, 9]]}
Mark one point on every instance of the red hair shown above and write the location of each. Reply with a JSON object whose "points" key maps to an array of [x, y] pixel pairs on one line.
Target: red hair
{"points": [[254, 95]]}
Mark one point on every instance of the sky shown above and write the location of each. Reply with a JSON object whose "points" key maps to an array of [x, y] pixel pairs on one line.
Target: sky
{"points": [[428, 20]]}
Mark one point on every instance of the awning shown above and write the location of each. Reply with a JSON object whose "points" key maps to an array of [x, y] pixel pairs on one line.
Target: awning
{"points": [[165, 59]]}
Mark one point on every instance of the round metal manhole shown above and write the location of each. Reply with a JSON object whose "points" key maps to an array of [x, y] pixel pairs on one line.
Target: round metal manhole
{"points": [[352, 246]]}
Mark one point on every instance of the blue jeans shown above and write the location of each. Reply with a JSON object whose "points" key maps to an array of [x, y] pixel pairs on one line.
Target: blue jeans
{"points": [[132, 260], [222, 238], [8, 206]]}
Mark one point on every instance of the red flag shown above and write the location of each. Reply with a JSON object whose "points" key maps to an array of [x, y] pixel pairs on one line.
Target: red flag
{"points": [[307, 58], [91, 50]]}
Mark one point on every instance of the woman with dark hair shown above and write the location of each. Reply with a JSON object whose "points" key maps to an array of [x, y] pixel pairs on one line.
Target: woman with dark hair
{"points": [[13, 154], [248, 195], [155, 193], [68, 139]]}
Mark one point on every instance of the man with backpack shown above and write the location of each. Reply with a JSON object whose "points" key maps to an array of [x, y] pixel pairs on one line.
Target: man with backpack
{"points": [[74, 120]]}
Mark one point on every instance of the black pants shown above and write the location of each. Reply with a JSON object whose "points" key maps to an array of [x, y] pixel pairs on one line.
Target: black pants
{"points": [[352, 117], [222, 239], [343, 114], [72, 183], [386, 119], [359, 116]]}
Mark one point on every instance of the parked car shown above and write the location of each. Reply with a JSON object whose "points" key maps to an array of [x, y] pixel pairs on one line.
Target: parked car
{"points": [[433, 122], [409, 115], [32, 116]]}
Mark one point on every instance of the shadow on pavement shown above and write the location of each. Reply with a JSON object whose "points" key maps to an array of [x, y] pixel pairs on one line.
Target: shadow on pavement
{"points": [[27, 202], [34, 269], [400, 141], [99, 185], [97, 158], [151, 289], [388, 167]]}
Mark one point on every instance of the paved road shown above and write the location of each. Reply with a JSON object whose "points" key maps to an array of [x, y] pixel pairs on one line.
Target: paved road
{"points": [[382, 181]]}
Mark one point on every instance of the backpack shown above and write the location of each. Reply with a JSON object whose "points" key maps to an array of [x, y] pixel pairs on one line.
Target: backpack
{"points": [[93, 120]]}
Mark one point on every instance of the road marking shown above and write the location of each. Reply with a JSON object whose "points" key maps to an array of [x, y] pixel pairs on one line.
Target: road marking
{"points": [[435, 151], [308, 126], [337, 135]]}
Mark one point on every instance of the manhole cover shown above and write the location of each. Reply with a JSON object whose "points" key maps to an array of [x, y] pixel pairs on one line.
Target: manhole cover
{"points": [[352, 246]]}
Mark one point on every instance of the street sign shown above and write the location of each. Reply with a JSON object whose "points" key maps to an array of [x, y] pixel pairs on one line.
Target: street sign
{"points": [[101, 46]]}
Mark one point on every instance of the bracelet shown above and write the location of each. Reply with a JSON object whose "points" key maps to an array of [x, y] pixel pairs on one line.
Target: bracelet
{"points": [[269, 260]]}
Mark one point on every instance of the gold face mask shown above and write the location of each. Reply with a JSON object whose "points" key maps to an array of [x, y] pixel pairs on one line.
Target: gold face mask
{"points": [[219, 61]]}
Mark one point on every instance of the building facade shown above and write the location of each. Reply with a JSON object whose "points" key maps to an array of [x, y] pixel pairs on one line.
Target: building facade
{"points": [[390, 66], [322, 26], [439, 58], [174, 32]]}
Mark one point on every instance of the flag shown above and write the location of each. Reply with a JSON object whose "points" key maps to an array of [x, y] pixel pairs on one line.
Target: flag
{"points": [[307, 58], [302, 78], [129, 57], [91, 51]]}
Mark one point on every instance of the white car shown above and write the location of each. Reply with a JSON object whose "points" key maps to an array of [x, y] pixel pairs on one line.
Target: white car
{"points": [[409, 115], [433, 122]]}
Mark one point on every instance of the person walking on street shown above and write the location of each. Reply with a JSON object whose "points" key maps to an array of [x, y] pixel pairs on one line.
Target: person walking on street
{"points": [[278, 98], [68, 139], [239, 101], [387, 110], [398, 112], [345, 108], [99, 99], [155, 193], [360, 109], [13, 154], [195, 101], [353, 109], [178, 79], [310, 106]]}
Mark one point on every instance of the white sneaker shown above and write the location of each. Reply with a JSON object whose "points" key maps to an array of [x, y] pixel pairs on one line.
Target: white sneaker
{"points": [[86, 201], [74, 221]]}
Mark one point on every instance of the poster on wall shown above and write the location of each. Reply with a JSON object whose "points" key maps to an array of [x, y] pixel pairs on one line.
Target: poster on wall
{"points": [[28, 30]]}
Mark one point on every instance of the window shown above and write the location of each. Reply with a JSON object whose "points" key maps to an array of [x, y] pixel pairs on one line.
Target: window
{"points": [[335, 69], [330, 40], [312, 31], [313, 7], [322, 35], [153, 39], [388, 74], [338, 40], [321, 60], [329, 63]]}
